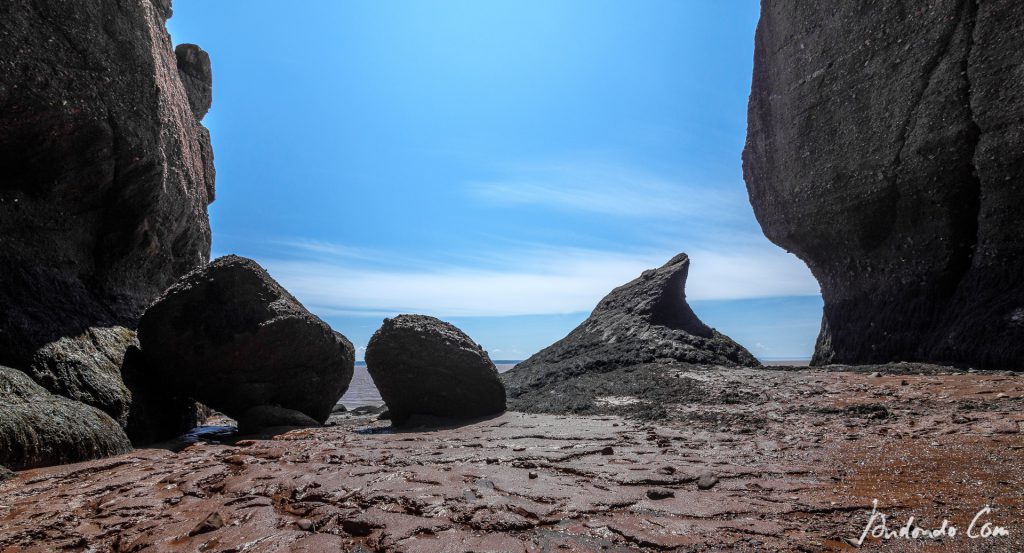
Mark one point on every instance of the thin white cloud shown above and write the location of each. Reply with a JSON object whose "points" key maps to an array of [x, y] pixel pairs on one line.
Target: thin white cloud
{"points": [[605, 188], [526, 281]]}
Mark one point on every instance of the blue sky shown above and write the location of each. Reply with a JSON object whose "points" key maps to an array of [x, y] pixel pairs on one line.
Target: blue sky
{"points": [[501, 165]]}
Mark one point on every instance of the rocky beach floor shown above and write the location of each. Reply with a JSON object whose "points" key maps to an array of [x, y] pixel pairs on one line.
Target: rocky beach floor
{"points": [[778, 459]]}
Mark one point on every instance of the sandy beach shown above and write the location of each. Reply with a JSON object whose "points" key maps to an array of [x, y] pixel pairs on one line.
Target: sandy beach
{"points": [[794, 467]]}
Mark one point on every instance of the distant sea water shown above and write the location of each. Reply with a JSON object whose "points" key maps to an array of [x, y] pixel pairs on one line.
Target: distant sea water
{"points": [[777, 362], [361, 390]]}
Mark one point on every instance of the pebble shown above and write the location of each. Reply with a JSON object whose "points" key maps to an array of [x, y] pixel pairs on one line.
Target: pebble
{"points": [[706, 481], [607, 451], [213, 521], [532, 475], [304, 524], [660, 493]]}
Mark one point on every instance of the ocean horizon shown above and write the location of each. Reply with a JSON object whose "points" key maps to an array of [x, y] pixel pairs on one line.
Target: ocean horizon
{"points": [[361, 391]]}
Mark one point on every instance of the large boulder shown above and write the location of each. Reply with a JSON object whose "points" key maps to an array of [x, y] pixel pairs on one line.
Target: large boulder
{"points": [[87, 368], [425, 366], [231, 337], [107, 172], [885, 148], [646, 320], [157, 413], [38, 428]]}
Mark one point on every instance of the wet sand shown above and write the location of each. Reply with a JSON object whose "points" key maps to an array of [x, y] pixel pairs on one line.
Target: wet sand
{"points": [[795, 466]]}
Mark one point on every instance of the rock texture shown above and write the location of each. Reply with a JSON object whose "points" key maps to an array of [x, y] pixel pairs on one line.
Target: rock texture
{"points": [[646, 321], [425, 366], [87, 368], [107, 172], [38, 428], [231, 337], [885, 148]]}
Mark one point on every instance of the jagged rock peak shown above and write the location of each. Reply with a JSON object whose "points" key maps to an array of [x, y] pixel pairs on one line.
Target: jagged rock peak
{"points": [[645, 321], [657, 297]]}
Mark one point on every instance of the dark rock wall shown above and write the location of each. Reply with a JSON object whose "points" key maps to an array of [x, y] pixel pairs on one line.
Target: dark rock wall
{"points": [[105, 171], [885, 148]]}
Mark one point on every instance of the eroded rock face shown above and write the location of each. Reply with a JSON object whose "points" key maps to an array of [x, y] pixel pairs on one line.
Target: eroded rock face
{"points": [[38, 428], [642, 322], [87, 368], [107, 172], [231, 337], [885, 148], [425, 366]]}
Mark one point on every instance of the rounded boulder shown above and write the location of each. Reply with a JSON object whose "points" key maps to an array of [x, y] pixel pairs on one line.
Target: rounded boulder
{"points": [[425, 366], [229, 336]]}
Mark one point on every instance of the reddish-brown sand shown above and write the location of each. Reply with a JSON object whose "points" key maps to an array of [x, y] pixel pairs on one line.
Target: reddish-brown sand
{"points": [[798, 469]]}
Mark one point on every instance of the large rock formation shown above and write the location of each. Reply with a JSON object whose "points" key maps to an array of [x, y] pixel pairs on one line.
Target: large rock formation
{"points": [[232, 338], [38, 428], [885, 148], [107, 171], [642, 322], [425, 366]]}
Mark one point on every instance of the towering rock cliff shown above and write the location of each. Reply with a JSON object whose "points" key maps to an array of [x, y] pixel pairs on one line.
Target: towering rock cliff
{"points": [[105, 174], [885, 148]]}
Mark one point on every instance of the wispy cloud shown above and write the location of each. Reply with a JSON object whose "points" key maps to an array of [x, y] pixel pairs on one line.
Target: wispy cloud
{"points": [[506, 277], [605, 188], [526, 281]]}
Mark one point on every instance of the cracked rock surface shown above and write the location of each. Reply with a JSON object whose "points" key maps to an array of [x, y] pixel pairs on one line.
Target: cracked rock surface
{"points": [[798, 464], [885, 148]]}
